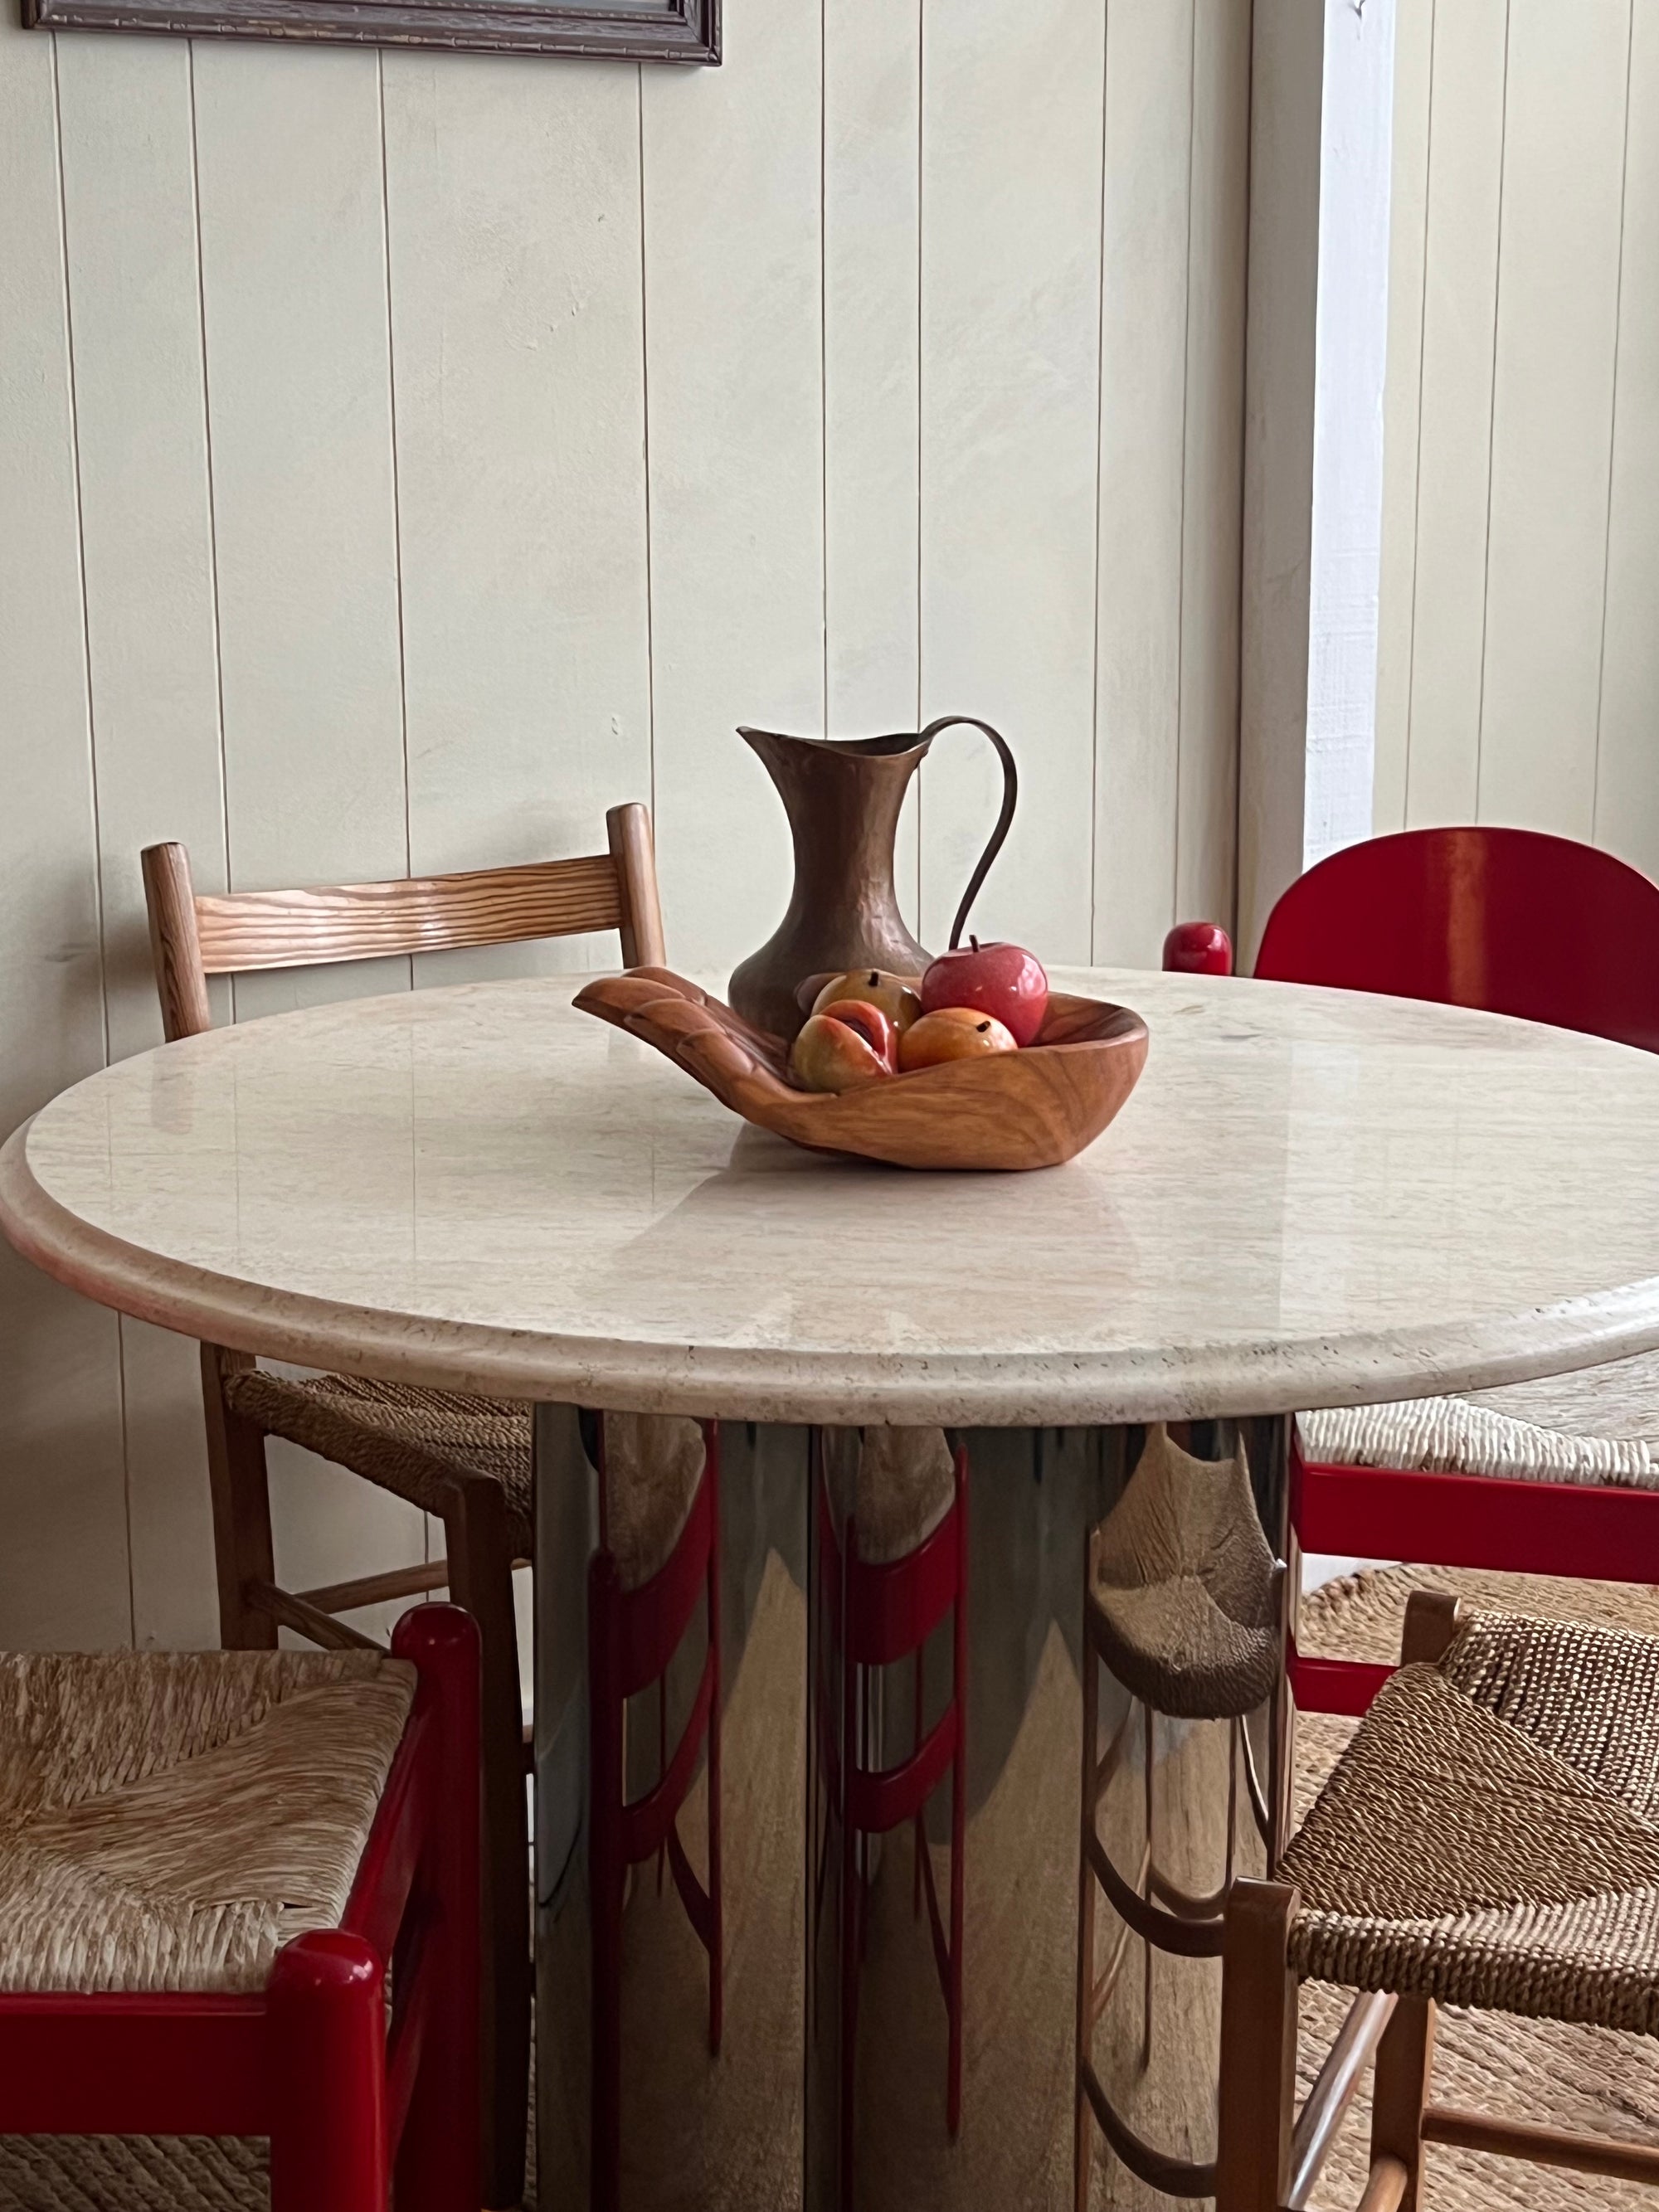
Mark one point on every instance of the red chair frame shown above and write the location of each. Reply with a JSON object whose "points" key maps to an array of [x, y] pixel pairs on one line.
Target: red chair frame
{"points": [[885, 1611], [1516, 922], [633, 1635], [360, 2114]]}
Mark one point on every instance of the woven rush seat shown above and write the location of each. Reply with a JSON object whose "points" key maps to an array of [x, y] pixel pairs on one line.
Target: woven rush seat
{"points": [[407, 1440], [1183, 1587], [168, 1820], [1599, 1426], [1491, 1835], [897, 1484]]}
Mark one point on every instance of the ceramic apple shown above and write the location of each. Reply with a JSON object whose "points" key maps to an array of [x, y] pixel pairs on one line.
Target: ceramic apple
{"points": [[849, 1043], [895, 994], [1004, 981], [952, 1033]]}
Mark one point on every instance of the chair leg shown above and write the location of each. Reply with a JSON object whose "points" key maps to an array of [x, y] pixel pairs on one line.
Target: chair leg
{"points": [[1405, 2058], [606, 1877], [1258, 2050], [242, 1549], [1082, 2119], [328, 2132], [437, 2164], [481, 1580]]}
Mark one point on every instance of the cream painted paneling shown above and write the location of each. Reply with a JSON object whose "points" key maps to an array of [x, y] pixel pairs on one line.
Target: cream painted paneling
{"points": [[416, 453], [1519, 679], [513, 217], [1012, 136], [64, 1565], [152, 633], [872, 382], [1143, 444]]}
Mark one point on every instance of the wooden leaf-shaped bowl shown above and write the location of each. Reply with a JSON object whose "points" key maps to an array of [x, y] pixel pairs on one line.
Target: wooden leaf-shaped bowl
{"points": [[1012, 1109]]}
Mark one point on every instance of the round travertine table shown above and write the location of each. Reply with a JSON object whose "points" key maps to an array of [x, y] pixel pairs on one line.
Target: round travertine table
{"points": [[1312, 1199]]}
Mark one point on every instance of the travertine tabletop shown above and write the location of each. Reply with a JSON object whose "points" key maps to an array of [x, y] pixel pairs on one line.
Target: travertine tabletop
{"points": [[1313, 1197]]}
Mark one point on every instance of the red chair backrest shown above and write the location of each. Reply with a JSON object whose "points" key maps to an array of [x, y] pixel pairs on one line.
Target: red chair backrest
{"points": [[1508, 920]]}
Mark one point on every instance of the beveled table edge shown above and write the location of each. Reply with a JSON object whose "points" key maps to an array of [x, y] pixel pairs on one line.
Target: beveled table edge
{"points": [[976, 1389]]}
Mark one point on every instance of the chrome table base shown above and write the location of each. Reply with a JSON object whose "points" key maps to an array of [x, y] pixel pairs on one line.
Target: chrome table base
{"points": [[818, 1914]]}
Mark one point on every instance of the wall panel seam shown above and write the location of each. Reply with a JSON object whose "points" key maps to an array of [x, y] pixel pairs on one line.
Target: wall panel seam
{"points": [[396, 491], [94, 824], [1186, 439], [1417, 465], [1492, 441], [1613, 435], [645, 473], [1095, 732], [212, 497]]}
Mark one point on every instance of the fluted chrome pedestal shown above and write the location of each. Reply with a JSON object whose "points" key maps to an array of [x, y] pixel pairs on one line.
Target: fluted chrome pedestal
{"points": [[1086, 1591]]}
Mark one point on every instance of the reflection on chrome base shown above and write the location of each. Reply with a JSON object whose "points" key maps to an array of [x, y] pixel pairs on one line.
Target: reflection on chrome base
{"points": [[823, 1919]]}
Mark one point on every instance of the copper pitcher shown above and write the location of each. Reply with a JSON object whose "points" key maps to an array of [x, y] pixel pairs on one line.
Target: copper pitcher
{"points": [[842, 796]]}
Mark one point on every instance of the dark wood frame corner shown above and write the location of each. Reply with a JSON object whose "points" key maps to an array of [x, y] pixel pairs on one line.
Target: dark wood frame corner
{"points": [[687, 31]]}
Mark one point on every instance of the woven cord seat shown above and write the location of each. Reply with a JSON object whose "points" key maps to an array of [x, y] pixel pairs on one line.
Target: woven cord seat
{"points": [[168, 1821], [1490, 1839], [1182, 1586], [1490, 1836], [409, 1440], [1598, 1426]]}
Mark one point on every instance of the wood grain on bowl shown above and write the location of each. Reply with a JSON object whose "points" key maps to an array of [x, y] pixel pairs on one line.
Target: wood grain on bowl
{"points": [[1033, 1108]]}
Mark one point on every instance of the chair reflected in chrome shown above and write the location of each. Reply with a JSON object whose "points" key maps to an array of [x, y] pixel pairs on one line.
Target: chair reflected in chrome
{"points": [[891, 1564]]}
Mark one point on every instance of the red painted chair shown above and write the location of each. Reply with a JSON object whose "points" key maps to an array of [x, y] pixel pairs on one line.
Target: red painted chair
{"points": [[153, 2022], [633, 1635], [1517, 923], [883, 1612]]}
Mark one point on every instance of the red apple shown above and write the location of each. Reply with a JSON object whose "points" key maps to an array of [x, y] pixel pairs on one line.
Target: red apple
{"points": [[1198, 948], [1001, 979], [951, 1033], [848, 1043]]}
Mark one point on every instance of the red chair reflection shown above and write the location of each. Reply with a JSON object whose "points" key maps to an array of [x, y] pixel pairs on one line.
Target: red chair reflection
{"points": [[883, 1612], [633, 1635], [1515, 922]]}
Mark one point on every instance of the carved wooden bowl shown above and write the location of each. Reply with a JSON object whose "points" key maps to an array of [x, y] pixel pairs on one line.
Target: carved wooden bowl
{"points": [[1013, 1109]]}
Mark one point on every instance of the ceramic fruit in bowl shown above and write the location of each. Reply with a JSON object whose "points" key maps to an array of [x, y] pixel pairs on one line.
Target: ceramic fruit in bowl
{"points": [[1003, 981], [896, 995], [849, 1042], [1030, 1108], [952, 1033]]}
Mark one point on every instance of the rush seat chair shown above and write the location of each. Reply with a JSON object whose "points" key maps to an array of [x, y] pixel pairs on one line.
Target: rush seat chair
{"points": [[241, 1899], [465, 1460], [1486, 1840], [1554, 1478]]}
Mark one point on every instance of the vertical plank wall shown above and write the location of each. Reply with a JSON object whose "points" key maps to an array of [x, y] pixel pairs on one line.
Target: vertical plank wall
{"points": [[403, 456], [1519, 662]]}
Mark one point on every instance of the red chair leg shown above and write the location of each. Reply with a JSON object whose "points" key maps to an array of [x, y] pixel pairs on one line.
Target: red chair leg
{"points": [[437, 2160], [851, 1928], [328, 2134], [606, 1877]]}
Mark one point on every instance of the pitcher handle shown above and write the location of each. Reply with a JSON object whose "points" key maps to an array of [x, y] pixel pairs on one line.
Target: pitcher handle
{"points": [[1010, 795]]}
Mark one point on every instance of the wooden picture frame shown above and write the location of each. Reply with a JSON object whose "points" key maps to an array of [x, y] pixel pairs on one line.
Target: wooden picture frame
{"points": [[625, 30]]}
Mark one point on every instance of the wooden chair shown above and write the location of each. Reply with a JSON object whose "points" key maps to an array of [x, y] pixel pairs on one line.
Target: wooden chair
{"points": [[464, 1460], [1556, 1479], [1486, 1840], [219, 1866]]}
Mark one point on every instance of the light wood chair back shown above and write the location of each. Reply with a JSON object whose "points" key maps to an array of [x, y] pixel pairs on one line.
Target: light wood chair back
{"points": [[194, 935]]}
